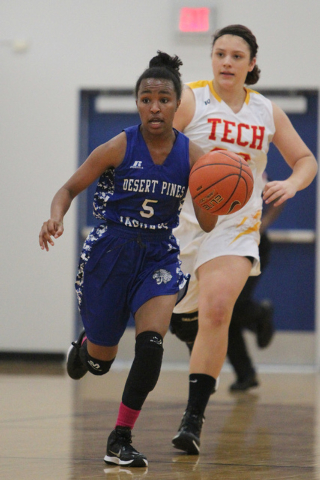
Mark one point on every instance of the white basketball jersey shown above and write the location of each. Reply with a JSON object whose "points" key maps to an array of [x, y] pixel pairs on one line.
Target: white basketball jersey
{"points": [[247, 133]]}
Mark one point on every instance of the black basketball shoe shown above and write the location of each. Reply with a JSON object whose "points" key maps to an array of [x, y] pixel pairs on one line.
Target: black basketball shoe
{"points": [[76, 358], [241, 385], [120, 450], [188, 436]]}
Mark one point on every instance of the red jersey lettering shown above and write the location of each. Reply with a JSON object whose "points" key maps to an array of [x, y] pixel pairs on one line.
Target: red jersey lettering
{"points": [[257, 137], [240, 127], [214, 122], [227, 130]]}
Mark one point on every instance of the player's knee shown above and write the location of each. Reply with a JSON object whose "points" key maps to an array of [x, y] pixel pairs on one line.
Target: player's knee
{"points": [[146, 366], [98, 367], [145, 370], [185, 326]]}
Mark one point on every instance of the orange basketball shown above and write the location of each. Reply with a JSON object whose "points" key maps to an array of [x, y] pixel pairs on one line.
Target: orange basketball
{"points": [[221, 182]]}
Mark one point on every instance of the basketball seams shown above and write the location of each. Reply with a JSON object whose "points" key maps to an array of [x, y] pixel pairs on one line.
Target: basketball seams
{"points": [[227, 200], [218, 181], [196, 167], [222, 178], [239, 159]]}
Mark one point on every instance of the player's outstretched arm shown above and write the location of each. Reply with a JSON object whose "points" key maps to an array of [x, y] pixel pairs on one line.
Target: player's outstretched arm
{"points": [[54, 226], [108, 155]]}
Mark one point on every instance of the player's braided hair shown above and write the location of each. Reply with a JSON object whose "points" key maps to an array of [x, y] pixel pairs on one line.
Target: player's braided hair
{"points": [[166, 67], [247, 35]]}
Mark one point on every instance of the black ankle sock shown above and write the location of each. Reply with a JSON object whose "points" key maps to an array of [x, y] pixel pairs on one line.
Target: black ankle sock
{"points": [[200, 389]]}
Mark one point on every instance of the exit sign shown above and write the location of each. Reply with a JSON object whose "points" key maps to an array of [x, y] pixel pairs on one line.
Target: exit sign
{"points": [[194, 19]]}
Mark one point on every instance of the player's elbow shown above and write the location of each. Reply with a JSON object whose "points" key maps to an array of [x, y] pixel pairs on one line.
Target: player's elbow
{"points": [[206, 228], [208, 222]]}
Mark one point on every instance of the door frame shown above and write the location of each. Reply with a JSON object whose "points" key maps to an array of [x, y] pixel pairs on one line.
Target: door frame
{"points": [[120, 93]]}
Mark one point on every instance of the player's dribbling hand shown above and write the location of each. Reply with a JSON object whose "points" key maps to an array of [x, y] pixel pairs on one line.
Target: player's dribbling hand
{"points": [[49, 229], [279, 191]]}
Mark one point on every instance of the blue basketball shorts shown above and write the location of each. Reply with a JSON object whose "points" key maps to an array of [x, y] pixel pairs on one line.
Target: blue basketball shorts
{"points": [[119, 270]]}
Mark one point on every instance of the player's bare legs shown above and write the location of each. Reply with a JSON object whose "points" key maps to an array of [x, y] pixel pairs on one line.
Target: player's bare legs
{"points": [[152, 322], [155, 314], [101, 352], [217, 296]]}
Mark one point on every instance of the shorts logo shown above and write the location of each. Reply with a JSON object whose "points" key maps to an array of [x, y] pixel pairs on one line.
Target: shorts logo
{"points": [[162, 276], [137, 164]]}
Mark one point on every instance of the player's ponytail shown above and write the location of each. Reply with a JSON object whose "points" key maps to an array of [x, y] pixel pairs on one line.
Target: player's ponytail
{"points": [[164, 60], [166, 67]]}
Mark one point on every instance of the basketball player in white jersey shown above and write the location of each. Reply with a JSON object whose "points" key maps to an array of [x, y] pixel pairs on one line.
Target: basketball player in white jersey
{"points": [[224, 114]]}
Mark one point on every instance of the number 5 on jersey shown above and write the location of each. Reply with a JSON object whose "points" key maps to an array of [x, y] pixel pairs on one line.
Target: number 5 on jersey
{"points": [[148, 210]]}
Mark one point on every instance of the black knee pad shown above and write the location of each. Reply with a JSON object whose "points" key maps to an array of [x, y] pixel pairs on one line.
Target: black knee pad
{"points": [[185, 326], [145, 369], [98, 367]]}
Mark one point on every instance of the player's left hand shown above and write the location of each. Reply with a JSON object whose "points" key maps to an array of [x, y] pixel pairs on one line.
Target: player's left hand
{"points": [[279, 191]]}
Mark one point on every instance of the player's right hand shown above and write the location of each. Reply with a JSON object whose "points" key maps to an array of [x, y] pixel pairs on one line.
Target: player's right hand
{"points": [[49, 229]]}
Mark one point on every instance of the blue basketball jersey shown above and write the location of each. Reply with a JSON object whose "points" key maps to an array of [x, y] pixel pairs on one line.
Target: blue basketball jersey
{"points": [[140, 194]]}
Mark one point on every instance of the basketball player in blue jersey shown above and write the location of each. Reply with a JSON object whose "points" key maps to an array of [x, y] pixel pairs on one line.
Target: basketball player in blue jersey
{"points": [[130, 262]]}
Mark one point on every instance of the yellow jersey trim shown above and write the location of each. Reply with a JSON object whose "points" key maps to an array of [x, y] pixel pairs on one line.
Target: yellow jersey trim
{"points": [[204, 83], [249, 90]]}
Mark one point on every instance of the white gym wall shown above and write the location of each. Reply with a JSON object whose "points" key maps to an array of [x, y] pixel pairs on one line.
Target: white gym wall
{"points": [[51, 50]]}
